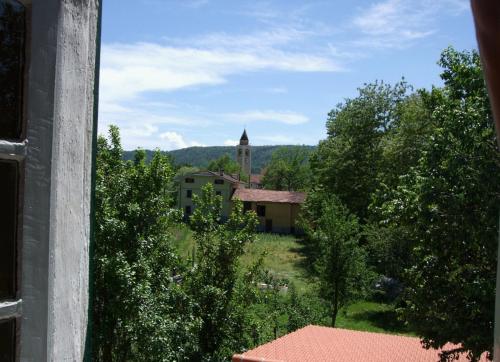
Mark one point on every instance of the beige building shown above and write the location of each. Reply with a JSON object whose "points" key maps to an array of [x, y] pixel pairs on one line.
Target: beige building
{"points": [[191, 184], [277, 211]]}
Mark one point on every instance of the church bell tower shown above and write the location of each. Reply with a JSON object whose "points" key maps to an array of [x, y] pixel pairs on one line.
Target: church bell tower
{"points": [[244, 154]]}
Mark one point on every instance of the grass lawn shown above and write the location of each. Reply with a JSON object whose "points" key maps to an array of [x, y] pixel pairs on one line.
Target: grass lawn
{"points": [[283, 256], [371, 317]]}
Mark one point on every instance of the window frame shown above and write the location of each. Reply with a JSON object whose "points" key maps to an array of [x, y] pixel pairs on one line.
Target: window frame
{"points": [[14, 149]]}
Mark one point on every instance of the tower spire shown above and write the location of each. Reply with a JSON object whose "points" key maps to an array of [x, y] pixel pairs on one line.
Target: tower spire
{"points": [[244, 138]]}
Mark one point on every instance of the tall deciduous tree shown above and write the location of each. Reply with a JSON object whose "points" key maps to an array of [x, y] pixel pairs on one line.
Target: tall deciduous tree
{"points": [[136, 313], [288, 170], [212, 283], [341, 264], [449, 204], [348, 161]]}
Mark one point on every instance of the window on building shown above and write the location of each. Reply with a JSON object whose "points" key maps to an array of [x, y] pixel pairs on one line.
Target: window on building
{"points": [[8, 224], [12, 38], [7, 340], [219, 182], [189, 194], [189, 180], [218, 193], [187, 210], [12, 44], [261, 210], [247, 206]]}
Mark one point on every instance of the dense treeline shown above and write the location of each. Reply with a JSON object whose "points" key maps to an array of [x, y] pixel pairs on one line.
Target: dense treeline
{"points": [[202, 156], [418, 172]]}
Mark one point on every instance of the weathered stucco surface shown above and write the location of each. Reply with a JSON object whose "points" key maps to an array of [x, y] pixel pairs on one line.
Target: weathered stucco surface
{"points": [[56, 217]]}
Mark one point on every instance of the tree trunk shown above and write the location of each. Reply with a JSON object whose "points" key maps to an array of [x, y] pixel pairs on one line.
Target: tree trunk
{"points": [[335, 306], [335, 310]]}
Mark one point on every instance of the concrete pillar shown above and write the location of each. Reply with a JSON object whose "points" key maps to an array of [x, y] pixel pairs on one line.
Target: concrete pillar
{"points": [[60, 129]]}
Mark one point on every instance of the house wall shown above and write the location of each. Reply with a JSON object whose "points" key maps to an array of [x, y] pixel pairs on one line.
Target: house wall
{"points": [[283, 216], [199, 181]]}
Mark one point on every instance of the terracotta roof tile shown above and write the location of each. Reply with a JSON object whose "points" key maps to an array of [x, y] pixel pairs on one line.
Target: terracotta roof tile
{"points": [[322, 344], [256, 179], [225, 176], [256, 195]]}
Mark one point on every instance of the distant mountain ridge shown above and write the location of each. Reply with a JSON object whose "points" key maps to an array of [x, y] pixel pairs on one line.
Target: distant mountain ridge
{"points": [[201, 156]]}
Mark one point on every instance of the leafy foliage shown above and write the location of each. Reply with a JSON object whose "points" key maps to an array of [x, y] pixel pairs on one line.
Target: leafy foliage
{"points": [[347, 162], [136, 305], [288, 170], [449, 203], [224, 163], [213, 282], [341, 264], [420, 170]]}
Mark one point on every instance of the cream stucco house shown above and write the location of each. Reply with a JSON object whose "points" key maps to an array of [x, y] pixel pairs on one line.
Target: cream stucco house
{"points": [[191, 184]]}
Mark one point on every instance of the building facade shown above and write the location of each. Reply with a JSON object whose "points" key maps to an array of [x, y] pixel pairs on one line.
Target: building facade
{"points": [[277, 211], [191, 184]]}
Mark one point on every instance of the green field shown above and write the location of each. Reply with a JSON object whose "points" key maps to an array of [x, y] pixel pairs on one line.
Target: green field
{"points": [[283, 257]]}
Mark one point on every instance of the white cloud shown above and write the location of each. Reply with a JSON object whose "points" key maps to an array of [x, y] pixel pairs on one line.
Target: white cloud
{"points": [[231, 142], [127, 70], [174, 141], [398, 23], [141, 123], [286, 117], [130, 71]]}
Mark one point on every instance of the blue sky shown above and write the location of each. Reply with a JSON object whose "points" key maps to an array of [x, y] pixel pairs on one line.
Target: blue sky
{"points": [[184, 73]]}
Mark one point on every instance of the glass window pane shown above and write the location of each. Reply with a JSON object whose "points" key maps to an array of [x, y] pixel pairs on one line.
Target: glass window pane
{"points": [[12, 30], [9, 176], [8, 340]]}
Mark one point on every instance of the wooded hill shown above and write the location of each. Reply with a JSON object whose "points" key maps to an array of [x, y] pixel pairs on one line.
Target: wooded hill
{"points": [[201, 156]]}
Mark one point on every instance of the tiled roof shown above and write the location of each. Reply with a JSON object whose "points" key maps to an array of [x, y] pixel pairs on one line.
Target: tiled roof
{"points": [[322, 344], [256, 195], [225, 176], [256, 179]]}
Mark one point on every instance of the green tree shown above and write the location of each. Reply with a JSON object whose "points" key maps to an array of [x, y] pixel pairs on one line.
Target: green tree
{"points": [[213, 282], [341, 266], [448, 204], [138, 312], [288, 170], [348, 161], [389, 244], [224, 163]]}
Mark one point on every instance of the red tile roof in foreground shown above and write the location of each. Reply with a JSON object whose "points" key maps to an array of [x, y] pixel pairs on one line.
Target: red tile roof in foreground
{"points": [[257, 195], [321, 344]]}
